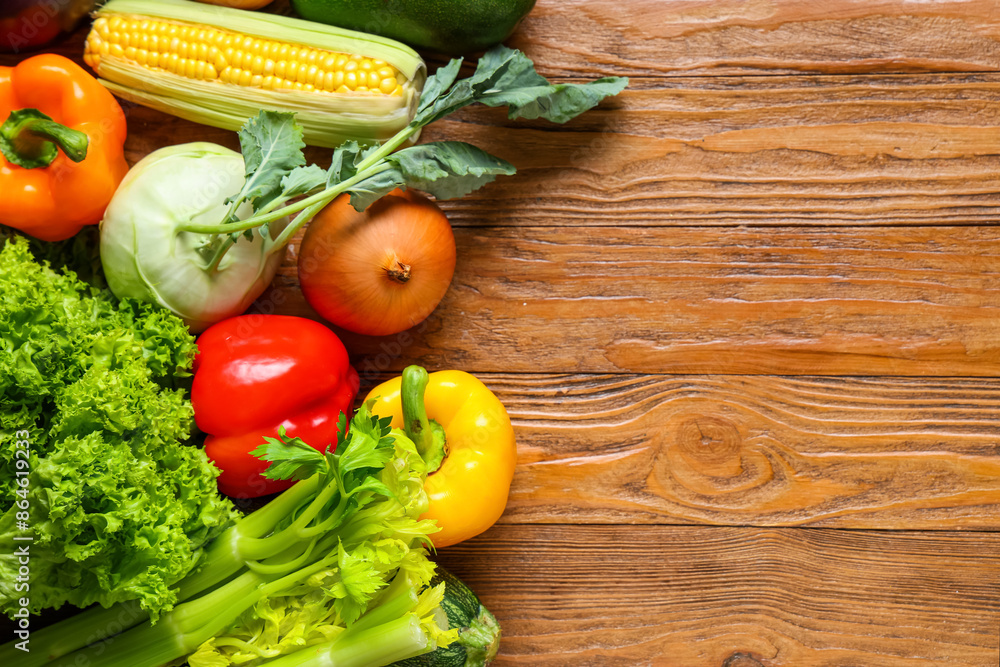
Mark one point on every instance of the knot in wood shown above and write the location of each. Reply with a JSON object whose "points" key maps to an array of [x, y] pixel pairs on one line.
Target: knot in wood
{"points": [[711, 445], [741, 660]]}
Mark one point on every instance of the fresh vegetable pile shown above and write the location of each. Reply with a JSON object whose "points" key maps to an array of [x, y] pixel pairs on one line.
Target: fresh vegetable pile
{"points": [[118, 506], [169, 229], [332, 572], [105, 401]]}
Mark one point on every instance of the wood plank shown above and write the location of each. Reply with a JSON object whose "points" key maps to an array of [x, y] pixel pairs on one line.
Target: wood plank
{"points": [[670, 37], [736, 597], [886, 453], [803, 151], [914, 301], [764, 151], [584, 37]]}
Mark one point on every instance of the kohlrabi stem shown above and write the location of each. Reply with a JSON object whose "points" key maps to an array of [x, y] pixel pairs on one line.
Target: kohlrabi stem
{"points": [[288, 232], [426, 434], [220, 252], [368, 167], [325, 196]]}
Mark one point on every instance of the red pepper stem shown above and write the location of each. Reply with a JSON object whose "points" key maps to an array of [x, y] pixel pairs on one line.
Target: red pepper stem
{"points": [[30, 139], [426, 433]]}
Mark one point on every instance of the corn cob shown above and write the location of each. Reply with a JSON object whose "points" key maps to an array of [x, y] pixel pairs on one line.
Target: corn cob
{"points": [[219, 66]]}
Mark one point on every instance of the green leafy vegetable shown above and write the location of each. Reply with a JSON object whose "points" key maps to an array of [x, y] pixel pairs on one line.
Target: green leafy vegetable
{"points": [[448, 169], [271, 144], [337, 563], [120, 508]]}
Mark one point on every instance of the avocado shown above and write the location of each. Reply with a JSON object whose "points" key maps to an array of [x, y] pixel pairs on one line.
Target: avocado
{"points": [[453, 27]]}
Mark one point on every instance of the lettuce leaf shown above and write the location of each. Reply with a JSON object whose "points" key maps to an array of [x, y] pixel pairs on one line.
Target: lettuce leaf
{"points": [[119, 507]]}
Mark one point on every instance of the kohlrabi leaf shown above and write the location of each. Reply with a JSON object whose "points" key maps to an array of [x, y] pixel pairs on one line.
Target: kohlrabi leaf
{"points": [[558, 103], [271, 143], [449, 169], [373, 188], [290, 458], [439, 83], [342, 164], [507, 77], [302, 180]]}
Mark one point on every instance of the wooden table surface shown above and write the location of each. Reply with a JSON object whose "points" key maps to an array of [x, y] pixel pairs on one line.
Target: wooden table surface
{"points": [[746, 320]]}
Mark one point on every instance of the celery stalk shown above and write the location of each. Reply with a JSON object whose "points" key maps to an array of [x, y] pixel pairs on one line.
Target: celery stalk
{"points": [[381, 645]]}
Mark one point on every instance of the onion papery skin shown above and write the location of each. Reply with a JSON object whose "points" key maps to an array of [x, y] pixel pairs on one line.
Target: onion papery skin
{"points": [[381, 271]]}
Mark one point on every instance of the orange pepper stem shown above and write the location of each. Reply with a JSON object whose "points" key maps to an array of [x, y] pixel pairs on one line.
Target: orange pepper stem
{"points": [[426, 433], [32, 140]]}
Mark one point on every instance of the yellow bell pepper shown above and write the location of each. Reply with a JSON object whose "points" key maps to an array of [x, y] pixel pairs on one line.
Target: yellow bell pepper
{"points": [[464, 434]]}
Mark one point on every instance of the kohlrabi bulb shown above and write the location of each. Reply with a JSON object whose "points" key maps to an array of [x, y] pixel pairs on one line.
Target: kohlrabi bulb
{"points": [[146, 256]]}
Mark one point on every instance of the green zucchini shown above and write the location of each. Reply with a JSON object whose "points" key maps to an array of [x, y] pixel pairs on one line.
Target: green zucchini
{"points": [[455, 27], [479, 632]]}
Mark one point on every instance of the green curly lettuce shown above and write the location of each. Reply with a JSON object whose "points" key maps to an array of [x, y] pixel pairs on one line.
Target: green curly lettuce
{"points": [[119, 508]]}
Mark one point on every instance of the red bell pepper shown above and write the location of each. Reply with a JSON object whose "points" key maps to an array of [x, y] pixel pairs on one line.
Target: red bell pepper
{"points": [[256, 373]]}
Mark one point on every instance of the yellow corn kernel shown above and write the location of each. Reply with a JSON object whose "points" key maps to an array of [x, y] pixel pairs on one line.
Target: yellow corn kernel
{"points": [[311, 74]]}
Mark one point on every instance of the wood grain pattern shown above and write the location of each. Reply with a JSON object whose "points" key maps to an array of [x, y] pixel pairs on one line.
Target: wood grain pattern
{"points": [[886, 453], [901, 150], [594, 37], [736, 597], [896, 301], [760, 151]]}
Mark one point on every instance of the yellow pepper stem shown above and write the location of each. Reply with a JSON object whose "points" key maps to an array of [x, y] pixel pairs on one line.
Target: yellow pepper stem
{"points": [[426, 433]]}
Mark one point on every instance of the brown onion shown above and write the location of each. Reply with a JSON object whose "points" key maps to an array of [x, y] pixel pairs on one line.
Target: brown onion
{"points": [[381, 271]]}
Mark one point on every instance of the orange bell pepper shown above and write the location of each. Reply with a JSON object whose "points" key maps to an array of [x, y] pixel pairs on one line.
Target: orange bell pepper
{"points": [[463, 433], [61, 148]]}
